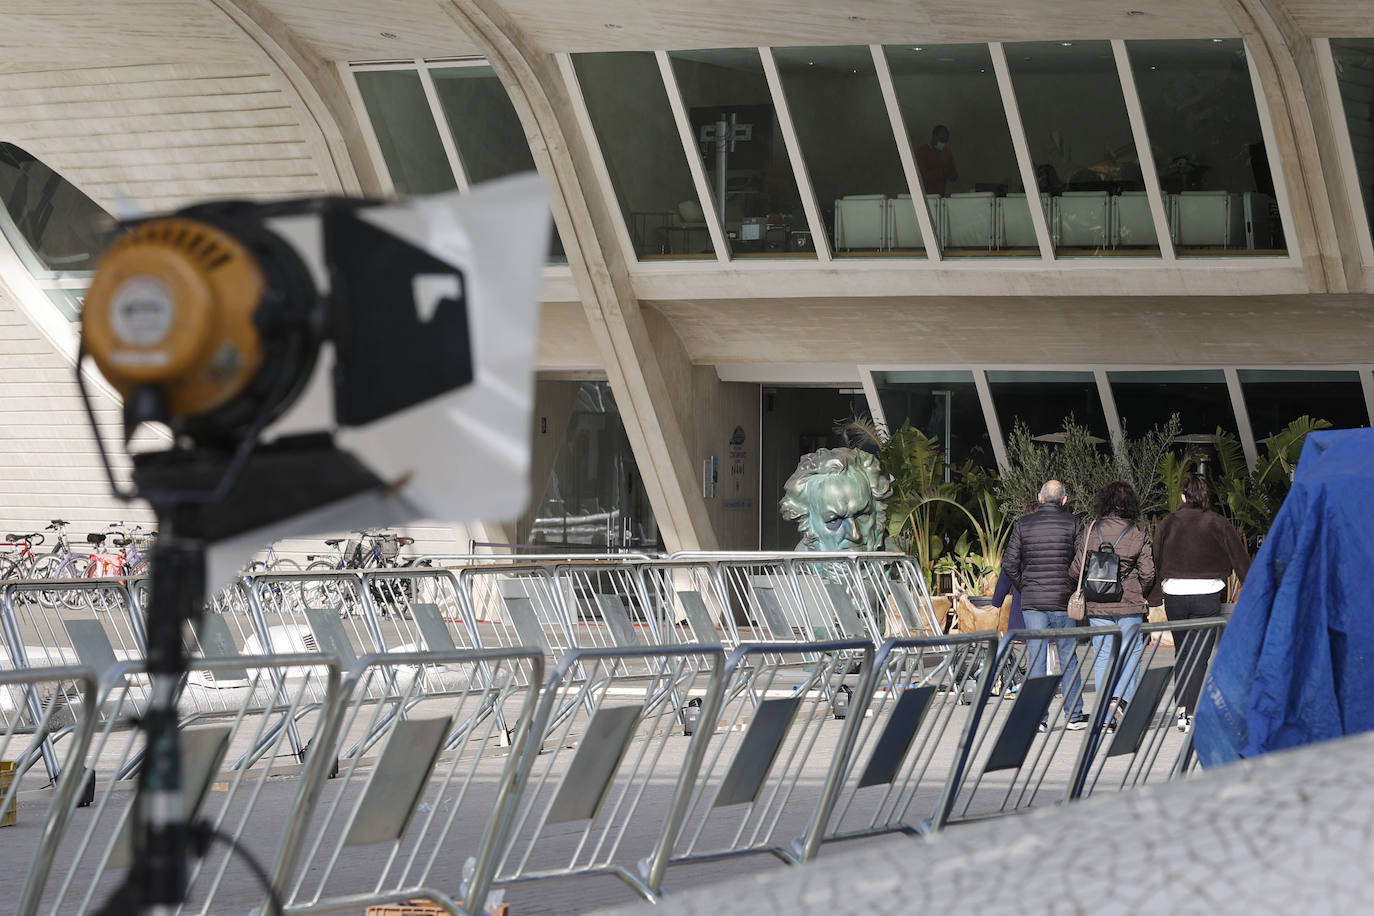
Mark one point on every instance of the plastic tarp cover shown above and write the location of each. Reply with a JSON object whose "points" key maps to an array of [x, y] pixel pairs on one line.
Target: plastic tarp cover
{"points": [[1294, 664]]}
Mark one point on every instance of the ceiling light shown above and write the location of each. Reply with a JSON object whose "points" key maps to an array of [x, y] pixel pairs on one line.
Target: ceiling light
{"points": [[1217, 41], [388, 34], [1066, 44], [918, 49], [1135, 12]]}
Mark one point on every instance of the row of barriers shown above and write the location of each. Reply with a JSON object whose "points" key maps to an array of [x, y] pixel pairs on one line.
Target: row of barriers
{"points": [[447, 731]]}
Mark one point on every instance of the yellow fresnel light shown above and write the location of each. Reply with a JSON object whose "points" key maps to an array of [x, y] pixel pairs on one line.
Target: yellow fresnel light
{"points": [[172, 306]]}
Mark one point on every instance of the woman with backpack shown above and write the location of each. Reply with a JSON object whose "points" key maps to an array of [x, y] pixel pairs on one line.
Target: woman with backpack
{"points": [[1116, 534], [1198, 550]]}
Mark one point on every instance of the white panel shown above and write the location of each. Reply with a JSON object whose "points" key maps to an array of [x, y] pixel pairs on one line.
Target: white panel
{"points": [[163, 135]]}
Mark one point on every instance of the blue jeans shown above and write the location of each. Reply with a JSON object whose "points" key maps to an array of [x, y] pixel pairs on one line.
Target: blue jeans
{"points": [[1131, 649], [1070, 683]]}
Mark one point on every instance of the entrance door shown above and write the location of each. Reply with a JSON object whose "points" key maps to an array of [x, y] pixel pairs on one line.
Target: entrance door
{"points": [[797, 421], [592, 495]]}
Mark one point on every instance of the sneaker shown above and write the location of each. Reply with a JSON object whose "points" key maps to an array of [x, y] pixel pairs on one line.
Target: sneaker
{"points": [[1116, 714], [1078, 722], [1185, 721], [1044, 727], [1011, 693]]}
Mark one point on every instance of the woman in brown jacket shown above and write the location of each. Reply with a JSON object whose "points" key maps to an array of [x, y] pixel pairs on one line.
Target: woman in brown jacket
{"points": [[1117, 524], [1197, 551]]}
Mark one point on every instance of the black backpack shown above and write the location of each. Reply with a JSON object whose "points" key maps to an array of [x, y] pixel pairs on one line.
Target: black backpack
{"points": [[1102, 571]]}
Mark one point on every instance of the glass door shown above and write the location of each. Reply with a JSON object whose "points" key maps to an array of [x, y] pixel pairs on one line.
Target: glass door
{"points": [[593, 497]]}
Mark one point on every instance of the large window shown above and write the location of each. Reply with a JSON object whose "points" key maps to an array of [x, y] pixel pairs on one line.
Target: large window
{"points": [[643, 151], [1209, 151], [57, 231], [470, 104], [1275, 398], [741, 145], [1044, 400], [1200, 397], [1354, 59], [851, 155], [957, 125], [940, 404], [1081, 143], [406, 132], [485, 128]]}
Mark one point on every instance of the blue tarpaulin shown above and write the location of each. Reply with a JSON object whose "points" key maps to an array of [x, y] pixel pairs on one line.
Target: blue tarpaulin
{"points": [[1294, 664]]}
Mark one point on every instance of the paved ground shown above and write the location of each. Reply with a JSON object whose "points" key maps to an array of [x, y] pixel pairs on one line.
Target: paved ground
{"points": [[1287, 833], [456, 804]]}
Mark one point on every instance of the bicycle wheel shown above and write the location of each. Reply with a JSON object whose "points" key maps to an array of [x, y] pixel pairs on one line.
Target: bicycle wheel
{"points": [[286, 566], [75, 566], [46, 568], [316, 592], [10, 569]]}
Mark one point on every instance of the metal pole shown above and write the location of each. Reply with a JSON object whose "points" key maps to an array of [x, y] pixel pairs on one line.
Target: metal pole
{"points": [[723, 130], [159, 876]]}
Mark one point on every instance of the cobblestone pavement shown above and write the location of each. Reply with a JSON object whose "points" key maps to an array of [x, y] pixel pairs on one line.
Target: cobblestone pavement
{"points": [[1287, 833]]}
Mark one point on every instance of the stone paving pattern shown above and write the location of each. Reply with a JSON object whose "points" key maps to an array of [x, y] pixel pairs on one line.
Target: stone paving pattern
{"points": [[1287, 833]]}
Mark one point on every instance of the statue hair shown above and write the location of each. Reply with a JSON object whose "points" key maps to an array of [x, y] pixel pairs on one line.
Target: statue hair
{"points": [[827, 462]]}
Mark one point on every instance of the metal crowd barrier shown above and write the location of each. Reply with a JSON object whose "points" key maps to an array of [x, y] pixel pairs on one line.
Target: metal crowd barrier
{"points": [[686, 604], [459, 767], [632, 768], [401, 822], [1012, 760], [35, 704], [778, 752], [228, 762], [1144, 745], [915, 729]]}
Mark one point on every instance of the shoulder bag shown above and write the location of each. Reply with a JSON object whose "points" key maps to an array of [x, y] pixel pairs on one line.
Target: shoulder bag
{"points": [[1078, 604]]}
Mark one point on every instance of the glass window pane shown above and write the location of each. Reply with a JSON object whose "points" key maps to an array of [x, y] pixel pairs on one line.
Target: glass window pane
{"points": [[1209, 151], [1275, 398], [1080, 140], [1201, 399], [643, 151], [593, 494], [400, 116], [1044, 400], [1355, 75], [948, 95], [51, 223], [940, 404], [486, 130], [68, 302], [727, 96], [846, 140]]}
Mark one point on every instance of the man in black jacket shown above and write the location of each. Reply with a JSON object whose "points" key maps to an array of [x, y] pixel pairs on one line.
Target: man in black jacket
{"points": [[1037, 561]]}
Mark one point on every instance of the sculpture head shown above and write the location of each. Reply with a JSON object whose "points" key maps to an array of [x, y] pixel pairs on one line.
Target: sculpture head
{"points": [[838, 498]]}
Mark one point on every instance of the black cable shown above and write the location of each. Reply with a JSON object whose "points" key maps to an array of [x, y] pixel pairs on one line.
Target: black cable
{"points": [[203, 834], [127, 897]]}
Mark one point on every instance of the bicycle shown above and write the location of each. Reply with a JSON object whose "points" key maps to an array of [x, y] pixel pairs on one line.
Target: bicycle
{"points": [[60, 561], [273, 563], [370, 550], [21, 568]]}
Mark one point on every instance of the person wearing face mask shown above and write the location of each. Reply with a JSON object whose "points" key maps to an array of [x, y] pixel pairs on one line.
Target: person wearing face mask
{"points": [[935, 161]]}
